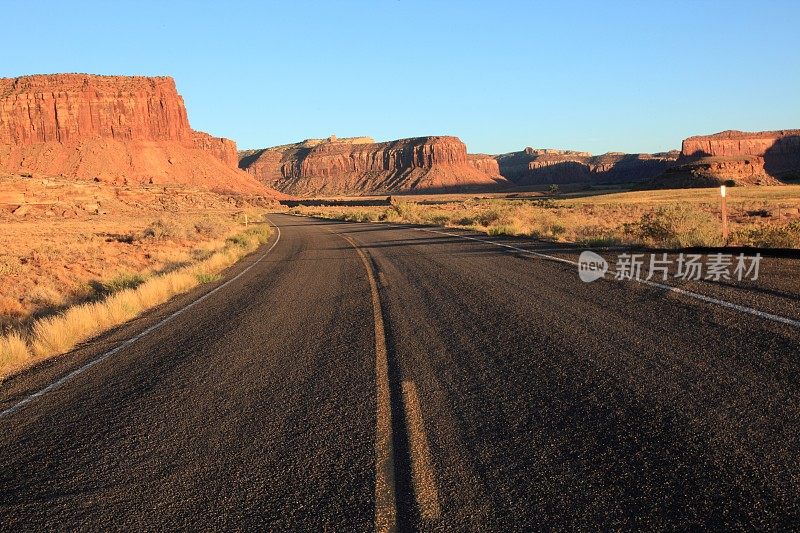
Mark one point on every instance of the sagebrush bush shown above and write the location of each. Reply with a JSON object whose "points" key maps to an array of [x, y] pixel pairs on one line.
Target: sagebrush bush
{"points": [[401, 211], [211, 227], [207, 277], [677, 226], [489, 217], [770, 235], [163, 230], [241, 240]]}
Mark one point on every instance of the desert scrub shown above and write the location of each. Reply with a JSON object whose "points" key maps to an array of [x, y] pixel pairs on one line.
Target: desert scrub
{"points": [[210, 227], [401, 211], [676, 226], [44, 296], [131, 296], [120, 282], [164, 229], [769, 235], [253, 236], [360, 216], [665, 219]]}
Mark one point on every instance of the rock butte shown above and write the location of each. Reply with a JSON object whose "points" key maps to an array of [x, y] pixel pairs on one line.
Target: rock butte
{"points": [[114, 129], [757, 158], [358, 165], [747, 157]]}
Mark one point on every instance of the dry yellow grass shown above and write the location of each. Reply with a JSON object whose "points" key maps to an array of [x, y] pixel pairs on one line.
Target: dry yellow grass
{"points": [[58, 334], [14, 351]]}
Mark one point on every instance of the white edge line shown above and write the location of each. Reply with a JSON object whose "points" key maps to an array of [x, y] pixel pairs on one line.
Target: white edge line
{"points": [[56, 384], [676, 290]]}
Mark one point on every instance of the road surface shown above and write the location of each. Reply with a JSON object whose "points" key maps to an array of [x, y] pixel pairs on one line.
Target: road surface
{"points": [[356, 376]]}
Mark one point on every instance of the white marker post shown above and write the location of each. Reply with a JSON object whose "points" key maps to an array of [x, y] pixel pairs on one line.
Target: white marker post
{"points": [[722, 193]]}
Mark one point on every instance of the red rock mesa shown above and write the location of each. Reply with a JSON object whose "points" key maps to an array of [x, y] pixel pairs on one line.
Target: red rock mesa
{"points": [[114, 129], [360, 165]]}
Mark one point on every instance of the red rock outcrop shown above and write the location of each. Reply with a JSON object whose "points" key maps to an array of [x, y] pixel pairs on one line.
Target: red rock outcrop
{"points": [[484, 163], [779, 150], [543, 166], [333, 167], [221, 148], [113, 128]]}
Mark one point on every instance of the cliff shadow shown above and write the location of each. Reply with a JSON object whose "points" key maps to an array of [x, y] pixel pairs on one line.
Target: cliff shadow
{"points": [[248, 159], [782, 159]]}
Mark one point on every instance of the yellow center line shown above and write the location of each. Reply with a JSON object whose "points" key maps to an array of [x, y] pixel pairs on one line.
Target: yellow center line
{"points": [[421, 464], [385, 498]]}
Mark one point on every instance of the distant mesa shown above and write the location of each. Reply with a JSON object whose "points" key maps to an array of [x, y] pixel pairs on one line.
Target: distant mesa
{"points": [[358, 165], [759, 158], [543, 166], [115, 129]]}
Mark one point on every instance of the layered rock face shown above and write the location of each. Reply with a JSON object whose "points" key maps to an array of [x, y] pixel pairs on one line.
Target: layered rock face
{"points": [[336, 167], [777, 153], [484, 163], [111, 128], [534, 166], [68, 107]]}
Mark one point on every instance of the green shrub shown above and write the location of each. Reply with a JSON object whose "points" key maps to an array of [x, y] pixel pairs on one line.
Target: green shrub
{"points": [[440, 220], [122, 282], [206, 277]]}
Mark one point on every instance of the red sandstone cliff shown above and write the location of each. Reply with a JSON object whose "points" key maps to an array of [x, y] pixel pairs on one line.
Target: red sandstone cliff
{"points": [[114, 128], [336, 166]]}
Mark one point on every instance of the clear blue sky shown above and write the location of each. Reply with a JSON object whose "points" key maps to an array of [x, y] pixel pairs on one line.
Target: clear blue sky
{"points": [[596, 76]]}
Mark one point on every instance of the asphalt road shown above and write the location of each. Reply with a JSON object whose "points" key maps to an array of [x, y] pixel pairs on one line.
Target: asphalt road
{"points": [[520, 398]]}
